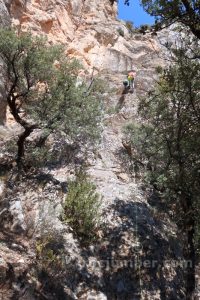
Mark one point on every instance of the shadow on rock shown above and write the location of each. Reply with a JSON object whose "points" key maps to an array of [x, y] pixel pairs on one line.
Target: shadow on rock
{"points": [[139, 257]]}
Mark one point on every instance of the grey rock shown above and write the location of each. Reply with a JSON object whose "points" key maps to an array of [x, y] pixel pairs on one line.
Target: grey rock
{"points": [[2, 189], [17, 212], [4, 15]]}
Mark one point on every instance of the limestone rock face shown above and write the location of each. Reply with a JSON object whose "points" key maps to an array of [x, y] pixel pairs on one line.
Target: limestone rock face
{"points": [[88, 29], [62, 19]]}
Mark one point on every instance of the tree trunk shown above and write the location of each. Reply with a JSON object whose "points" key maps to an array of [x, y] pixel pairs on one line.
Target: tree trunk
{"points": [[21, 143], [28, 128]]}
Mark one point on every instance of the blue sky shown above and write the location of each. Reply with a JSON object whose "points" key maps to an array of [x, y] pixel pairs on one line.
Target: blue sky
{"points": [[134, 12]]}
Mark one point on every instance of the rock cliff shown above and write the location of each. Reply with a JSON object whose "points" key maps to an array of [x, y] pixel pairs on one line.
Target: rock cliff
{"points": [[135, 225]]}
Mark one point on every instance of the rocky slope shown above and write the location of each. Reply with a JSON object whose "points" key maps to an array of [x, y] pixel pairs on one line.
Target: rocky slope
{"points": [[136, 227]]}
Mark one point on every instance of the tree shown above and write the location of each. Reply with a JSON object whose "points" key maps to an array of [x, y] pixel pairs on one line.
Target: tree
{"points": [[41, 81], [166, 12], [168, 144], [130, 26]]}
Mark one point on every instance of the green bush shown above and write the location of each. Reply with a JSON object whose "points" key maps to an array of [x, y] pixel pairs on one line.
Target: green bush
{"points": [[49, 251], [130, 26], [49, 271], [120, 31], [42, 82], [81, 207], [144, 28], [159, 69]]}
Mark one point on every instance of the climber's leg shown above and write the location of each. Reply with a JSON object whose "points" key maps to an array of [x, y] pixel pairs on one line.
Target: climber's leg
{"points": [[132, 86]]}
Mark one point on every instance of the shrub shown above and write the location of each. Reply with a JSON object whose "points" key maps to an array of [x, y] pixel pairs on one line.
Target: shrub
{"points": [[120, 31], [42, 82], [112, 110], [81, 207], [144, 28], [130, 26], [49, 251], [50, 269], [159, 69]]}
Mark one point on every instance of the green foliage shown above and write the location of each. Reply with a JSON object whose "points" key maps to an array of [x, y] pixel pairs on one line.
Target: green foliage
{"points": [[50, 269], [120, 31], [169, 12], [99, 86], [49, 251], [168, 141], [144, 28], [112, 110], [170, 137], [39, 156], [81, 208], [43, 82], [27, 60], [69, 108], [159, 69], [130, 27]]}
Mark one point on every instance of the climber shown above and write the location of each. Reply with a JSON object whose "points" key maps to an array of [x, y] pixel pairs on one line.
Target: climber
{"points": [[131, 77], [129, 82]]}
